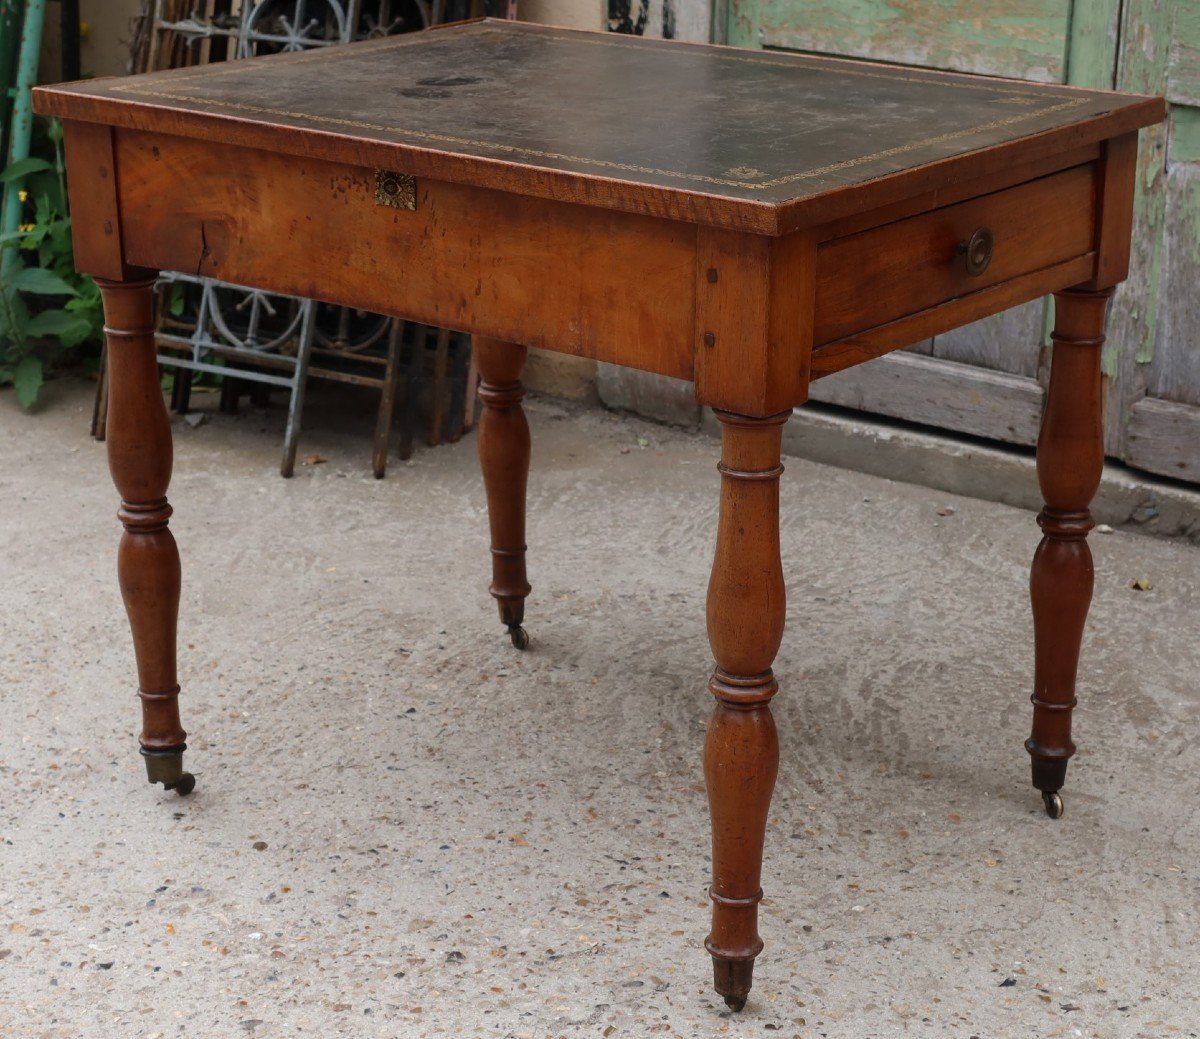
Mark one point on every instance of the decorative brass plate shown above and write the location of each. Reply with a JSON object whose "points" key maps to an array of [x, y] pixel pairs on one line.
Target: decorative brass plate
{"points": [[398, 190]]}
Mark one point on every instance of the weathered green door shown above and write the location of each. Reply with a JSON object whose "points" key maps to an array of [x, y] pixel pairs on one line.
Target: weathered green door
{"points": [[988, 379], [1154, 362]]}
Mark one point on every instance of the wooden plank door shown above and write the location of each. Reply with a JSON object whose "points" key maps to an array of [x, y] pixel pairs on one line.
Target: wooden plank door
{"points": [[986, 379], [1154, 360]]}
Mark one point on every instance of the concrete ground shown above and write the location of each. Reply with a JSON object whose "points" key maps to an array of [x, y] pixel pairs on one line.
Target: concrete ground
{"points": [[405, 828]]}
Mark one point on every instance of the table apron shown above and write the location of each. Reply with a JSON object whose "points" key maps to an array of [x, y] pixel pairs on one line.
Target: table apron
{"points": [[582, 280], [750, 318]]}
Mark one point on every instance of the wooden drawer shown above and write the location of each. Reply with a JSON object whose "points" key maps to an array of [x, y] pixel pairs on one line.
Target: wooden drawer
{"points": [[888, 272]]}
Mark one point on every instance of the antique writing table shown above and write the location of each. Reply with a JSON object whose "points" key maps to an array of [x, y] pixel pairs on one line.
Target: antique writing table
{"points": [[747, 221]]}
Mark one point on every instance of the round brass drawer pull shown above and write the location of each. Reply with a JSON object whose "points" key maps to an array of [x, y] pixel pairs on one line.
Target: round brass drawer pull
{"points": [[977, 252]]}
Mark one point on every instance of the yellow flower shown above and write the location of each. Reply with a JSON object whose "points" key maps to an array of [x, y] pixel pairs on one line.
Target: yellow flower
{"points": [[23, 195], [26, 228]]}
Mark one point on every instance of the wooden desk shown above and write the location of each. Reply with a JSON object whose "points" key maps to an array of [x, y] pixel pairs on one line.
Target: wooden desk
{"points": [[749, 221]]}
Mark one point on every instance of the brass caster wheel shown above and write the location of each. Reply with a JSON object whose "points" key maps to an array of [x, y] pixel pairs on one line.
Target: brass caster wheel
{"points": [[185, 785], [1053, 803], [732, 979], [166, 767], [519, 636]]}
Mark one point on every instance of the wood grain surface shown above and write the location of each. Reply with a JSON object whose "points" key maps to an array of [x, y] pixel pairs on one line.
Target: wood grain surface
{"points": [[875, 276], [592, 282]]}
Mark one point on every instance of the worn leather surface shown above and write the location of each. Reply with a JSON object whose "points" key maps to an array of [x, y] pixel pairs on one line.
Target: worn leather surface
{"points": [[760, 126]]}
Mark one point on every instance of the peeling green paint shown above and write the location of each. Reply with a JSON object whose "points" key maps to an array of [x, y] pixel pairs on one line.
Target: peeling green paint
{"points": [[743, 22], [1109, 357], [1023, 38], [1185, 135], [1150, 204], [1092, 43], [1144, 64], [1183, 81], [1188, 233]]}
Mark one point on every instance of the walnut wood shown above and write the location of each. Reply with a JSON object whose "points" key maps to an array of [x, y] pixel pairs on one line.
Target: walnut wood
{"points": [[1070, 457], [746, 605], [879, 275], [545, 274], [139, 458], [504, 459], [754, 318], [1114, 221], [96, 240], [855, 349]]}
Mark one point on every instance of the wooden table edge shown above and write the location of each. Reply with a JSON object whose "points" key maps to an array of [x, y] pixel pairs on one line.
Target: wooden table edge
{"points": [[697, 207]]}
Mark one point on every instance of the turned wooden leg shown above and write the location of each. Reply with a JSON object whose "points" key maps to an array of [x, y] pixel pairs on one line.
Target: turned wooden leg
{"points": [[1070, 457], [139, 458], [504, 458], [746, 602]]}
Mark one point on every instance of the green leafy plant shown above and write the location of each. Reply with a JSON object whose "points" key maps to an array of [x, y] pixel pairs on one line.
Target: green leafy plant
{"points": [[49, 315]]}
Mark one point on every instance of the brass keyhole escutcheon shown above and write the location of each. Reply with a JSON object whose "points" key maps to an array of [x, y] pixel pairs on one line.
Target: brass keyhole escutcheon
{"points": [[977, 251], [397, 190]]}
